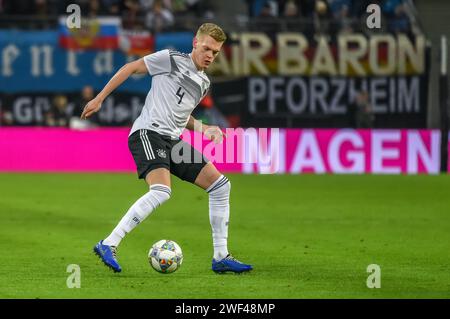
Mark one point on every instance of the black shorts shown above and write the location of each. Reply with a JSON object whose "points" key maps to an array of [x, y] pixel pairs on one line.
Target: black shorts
{"points": [[151, 150]]}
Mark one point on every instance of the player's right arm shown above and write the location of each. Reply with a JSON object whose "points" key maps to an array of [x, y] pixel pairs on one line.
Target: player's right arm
{"points": [[135, 67]]}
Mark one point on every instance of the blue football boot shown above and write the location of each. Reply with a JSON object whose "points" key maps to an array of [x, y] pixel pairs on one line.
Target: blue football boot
{"points": [[108, 255], [230, 263]]}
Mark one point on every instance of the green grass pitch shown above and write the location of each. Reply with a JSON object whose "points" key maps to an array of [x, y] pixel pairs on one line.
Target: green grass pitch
{"points": [[308, 236]]}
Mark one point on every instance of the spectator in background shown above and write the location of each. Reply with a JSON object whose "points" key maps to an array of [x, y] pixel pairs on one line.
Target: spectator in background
{"points": [[291, 9], [111, 7], [257, 8], [396, 12], [291, 14], [267, 20], [41, 8], [360, 111], [200, 8], [57, 115], [147, 5], [87, 93], [94, 9], [305, 8], [131, 14], [179, 6], [322, 19], [358, 8], [6, 117], [41, 12], [159, 18], [341, 11]]}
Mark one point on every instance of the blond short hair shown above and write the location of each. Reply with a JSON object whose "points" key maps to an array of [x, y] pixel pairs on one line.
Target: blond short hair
{"points": [[213, 30]]}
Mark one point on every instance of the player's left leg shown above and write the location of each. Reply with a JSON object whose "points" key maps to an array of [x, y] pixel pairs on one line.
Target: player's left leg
{"points": [[218, 187], [191, 166]]}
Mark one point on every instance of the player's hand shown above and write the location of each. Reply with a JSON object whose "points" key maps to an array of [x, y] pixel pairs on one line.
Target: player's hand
{"points": [[214, 133], [92, 107]]}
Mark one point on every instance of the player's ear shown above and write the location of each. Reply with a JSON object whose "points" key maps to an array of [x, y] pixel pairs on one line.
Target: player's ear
{"points": [[194, 42]]}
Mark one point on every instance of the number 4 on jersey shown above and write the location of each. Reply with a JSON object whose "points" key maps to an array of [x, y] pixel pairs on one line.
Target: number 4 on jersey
{"points": [[180, 95]]}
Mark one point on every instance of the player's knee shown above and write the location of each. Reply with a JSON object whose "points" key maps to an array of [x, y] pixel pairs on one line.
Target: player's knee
{"points": [[227, 187], [161, 193], [223, 187]]}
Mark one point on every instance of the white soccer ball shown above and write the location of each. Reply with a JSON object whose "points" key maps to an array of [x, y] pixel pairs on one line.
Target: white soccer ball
{"points": [[165, 256]]}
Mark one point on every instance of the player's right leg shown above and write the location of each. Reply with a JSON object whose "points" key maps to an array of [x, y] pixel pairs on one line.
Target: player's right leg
{"points": [[156, 172]]}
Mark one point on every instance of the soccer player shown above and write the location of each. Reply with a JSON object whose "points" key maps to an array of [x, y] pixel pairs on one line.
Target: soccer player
{"points": [[179, 83]]}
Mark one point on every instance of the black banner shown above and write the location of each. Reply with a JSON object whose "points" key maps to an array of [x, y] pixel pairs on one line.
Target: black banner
{"points": [[336, 102], [231, 308]]}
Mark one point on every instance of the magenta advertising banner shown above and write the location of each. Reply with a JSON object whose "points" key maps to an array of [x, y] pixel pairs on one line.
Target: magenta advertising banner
{"points": [[265, 151]]}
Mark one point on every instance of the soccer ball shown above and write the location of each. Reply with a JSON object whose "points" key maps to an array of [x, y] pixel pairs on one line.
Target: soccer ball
{"points": [[165, 256]]}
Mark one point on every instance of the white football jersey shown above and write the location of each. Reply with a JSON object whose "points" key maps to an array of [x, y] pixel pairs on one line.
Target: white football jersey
{"points": [[177, 88]]}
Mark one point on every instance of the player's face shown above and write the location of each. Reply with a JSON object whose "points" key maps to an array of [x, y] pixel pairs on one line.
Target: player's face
{"points": [[205, 51]]}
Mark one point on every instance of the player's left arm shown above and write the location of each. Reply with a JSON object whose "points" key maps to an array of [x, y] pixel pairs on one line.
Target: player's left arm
{"points": [[212, 132]]}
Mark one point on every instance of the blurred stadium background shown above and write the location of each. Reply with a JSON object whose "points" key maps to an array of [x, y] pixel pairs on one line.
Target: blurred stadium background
{"points": [[346, 98]]}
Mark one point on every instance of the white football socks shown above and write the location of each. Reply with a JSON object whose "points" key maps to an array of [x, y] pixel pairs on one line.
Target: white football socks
{"points": [[140, 210], [219, 214]]}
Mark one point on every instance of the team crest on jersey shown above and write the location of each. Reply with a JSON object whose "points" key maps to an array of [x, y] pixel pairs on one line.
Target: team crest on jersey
{"points": [[161, 153]]}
